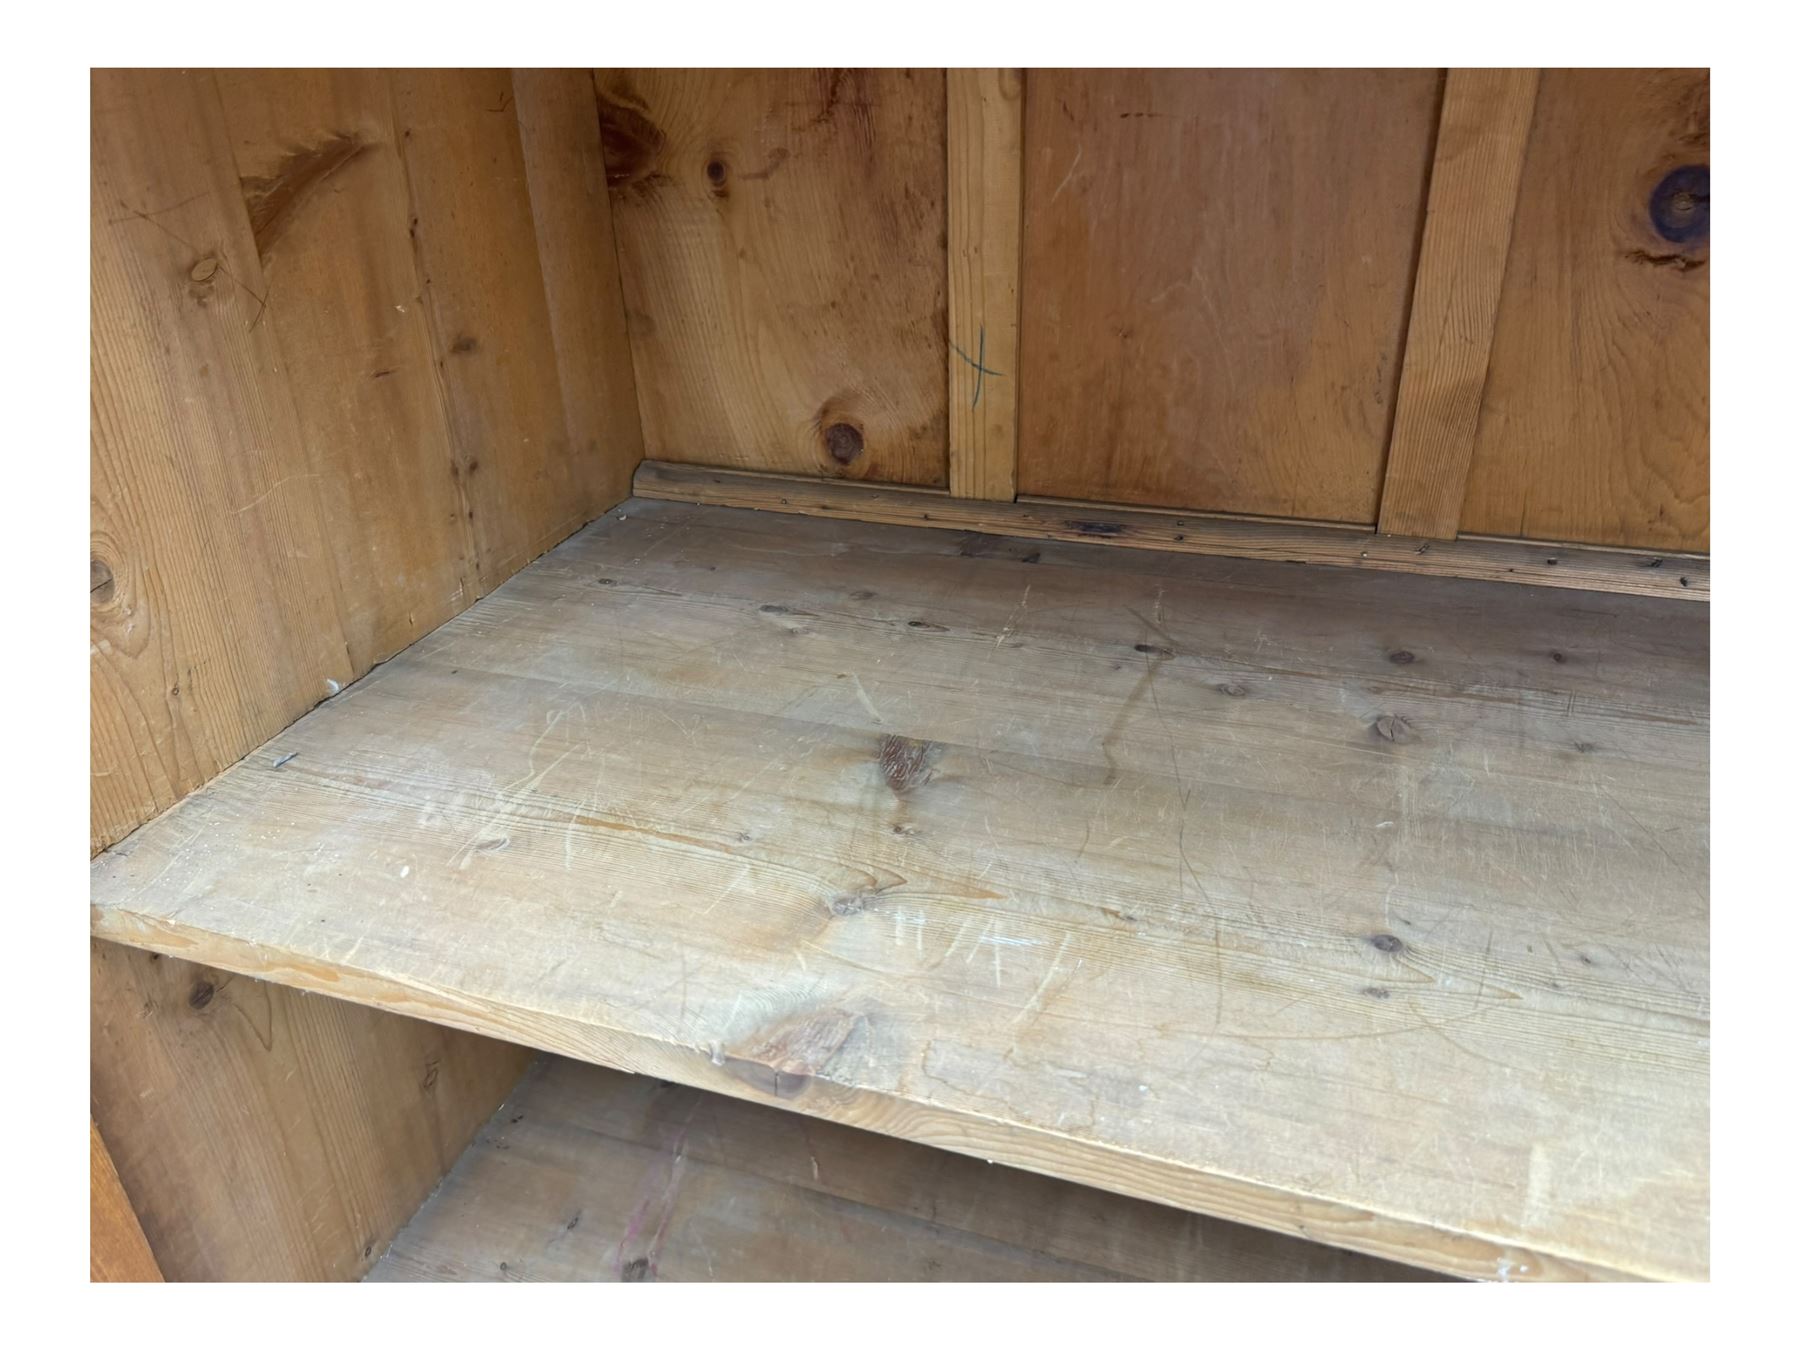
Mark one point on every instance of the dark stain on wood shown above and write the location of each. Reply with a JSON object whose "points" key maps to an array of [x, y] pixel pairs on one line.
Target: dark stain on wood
{"points": [[274, 201], [1681, 262], [777, 157], [839, 89], [630, 143], [784, 1060], [1100, 528], [718, 175], [905, 762], [852, 903], [843, 442], [1681, 204], [1387, 943], [1394, 728]]}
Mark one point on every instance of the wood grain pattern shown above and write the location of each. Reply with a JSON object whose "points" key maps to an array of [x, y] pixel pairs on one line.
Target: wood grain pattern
{"points": [[1482, 135], [117, 1252], [1676, 577], [215, 618], [782, 243], [281, 495], [265, 1134], [1369, 908], [587, 1174], [986, 132], [559, 135], [316, 153], [1217, 271], [1594, 426], [527, 478]]}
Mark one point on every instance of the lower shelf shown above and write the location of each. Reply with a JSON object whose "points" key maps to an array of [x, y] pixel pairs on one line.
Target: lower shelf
{"points": [[590, 1174]]}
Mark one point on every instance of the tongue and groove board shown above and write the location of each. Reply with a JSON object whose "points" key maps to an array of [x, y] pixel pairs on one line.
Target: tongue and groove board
{"points": [[1368, 909], [784, 255], [1595, 413], [1217, 271]]}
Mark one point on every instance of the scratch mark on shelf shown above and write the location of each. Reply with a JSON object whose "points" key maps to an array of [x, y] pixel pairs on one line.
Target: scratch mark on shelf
{"points": [[1035, 1001], [862, 696]]}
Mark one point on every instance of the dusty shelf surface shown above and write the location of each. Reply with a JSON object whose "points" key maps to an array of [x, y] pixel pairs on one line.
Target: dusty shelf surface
{"points": [[588, 1174], [1369, 908]]}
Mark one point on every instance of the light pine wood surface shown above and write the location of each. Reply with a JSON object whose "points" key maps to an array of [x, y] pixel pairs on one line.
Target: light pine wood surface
{"points": [[1482, 135], [526, 476], [782, 246], [571, 214], [1218, 266], [320, 171], [210, 629], [588, 1174], [1595, 421], [268, 1134], [985, 131], [1372, 909]]}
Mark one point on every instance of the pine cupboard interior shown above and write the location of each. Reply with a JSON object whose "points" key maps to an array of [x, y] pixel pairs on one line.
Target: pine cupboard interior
{"points": [[839, 674]]}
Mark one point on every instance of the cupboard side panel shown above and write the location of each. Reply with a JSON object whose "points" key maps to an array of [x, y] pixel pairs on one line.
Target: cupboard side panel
{"points": [[267, 1134]]}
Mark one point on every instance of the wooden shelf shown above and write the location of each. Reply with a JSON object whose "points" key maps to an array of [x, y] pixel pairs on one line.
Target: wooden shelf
{"points": [[588, 1174], [1369, 908]]}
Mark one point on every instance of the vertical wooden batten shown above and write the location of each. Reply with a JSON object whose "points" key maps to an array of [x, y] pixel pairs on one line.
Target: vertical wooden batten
{"points": [[1482, 136], [985, 120]]}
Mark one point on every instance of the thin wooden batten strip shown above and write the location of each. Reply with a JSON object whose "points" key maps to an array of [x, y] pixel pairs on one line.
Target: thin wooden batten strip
{"points": [[985, 118], [1482, 138], [1681, 576]]}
